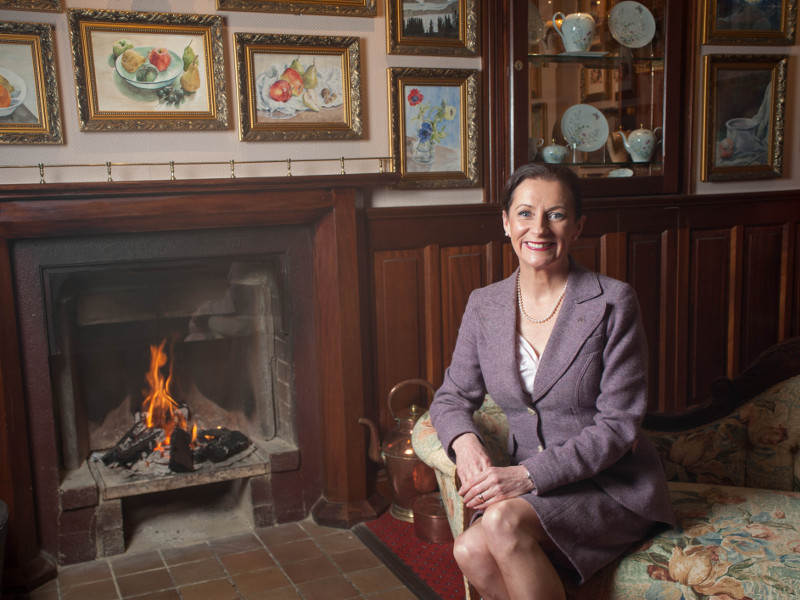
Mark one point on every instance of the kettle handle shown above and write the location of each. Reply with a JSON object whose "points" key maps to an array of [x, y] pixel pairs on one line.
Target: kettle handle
{"points": [[402, 384]]}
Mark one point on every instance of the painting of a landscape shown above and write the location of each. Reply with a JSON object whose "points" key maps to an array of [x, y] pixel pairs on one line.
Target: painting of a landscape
{"points": [[430, 19]]}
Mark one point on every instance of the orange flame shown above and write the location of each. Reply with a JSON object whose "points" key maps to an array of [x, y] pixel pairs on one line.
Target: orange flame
{"points": [[159, 406]]}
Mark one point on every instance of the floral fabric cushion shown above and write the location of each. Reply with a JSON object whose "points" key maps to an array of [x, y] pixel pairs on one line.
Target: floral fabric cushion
{"points": [[756, 446], [730, 543]]}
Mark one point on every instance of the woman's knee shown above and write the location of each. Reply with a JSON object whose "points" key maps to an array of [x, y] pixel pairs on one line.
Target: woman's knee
{"points": [[470, 547]]}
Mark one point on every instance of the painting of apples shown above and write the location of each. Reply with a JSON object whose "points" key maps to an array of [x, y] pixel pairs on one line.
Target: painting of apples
{"points": [[163, 76], [298, 87]]}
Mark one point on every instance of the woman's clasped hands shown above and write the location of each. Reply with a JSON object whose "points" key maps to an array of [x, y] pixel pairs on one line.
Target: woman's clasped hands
{"points": [[482, 483]]}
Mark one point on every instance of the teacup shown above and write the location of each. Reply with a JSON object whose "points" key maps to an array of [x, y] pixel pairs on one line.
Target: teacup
{"points": [[576, 30]]}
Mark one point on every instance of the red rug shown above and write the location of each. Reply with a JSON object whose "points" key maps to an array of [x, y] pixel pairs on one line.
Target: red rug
{"points": [[432, 565]]}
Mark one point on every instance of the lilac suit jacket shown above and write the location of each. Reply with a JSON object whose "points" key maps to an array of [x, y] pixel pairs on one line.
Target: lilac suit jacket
{"points": [[589, 397]]}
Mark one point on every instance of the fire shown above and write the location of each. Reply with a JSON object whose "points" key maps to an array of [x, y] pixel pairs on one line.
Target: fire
{"points": [[159, 407]]}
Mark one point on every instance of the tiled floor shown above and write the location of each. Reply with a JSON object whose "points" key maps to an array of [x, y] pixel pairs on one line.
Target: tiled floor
{"points": [[298, 561]]}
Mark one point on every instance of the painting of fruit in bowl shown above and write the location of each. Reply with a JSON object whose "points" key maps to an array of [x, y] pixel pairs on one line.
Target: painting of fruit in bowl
{"points": [[147, 71], [299, 87], [12, 92]]}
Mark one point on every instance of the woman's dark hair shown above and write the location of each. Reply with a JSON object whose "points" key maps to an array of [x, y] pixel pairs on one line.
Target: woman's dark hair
{"points": [[545, 172]]}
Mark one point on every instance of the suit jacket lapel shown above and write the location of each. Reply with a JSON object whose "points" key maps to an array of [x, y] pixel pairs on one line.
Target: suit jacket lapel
{"points": [[577, 319]]}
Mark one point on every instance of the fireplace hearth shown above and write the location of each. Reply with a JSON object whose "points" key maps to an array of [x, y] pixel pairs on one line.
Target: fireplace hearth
{"points": [[254, 291]]}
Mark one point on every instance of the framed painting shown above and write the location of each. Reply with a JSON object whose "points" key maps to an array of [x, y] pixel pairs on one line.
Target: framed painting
{"points": [[595, 82], [745, 99], [30, 110], [431, 27], [754, 22], [148, 71], [538, 130], [294, 87], [343, 8], [434, 127], [40, 5]]}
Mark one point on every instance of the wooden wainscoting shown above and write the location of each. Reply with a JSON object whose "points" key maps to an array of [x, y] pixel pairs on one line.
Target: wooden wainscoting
{"points": [[718, 279]]}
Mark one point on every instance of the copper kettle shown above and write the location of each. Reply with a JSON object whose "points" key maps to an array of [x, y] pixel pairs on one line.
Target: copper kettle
{"points": [[408, 475]]}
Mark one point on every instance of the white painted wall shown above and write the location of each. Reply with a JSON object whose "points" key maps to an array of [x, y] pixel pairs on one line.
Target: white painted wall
{"points": [[223, 146]]}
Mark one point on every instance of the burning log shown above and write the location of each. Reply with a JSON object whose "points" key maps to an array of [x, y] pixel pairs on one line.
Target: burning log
{"points": [[223, 443], [138, 442], [180, 452]]}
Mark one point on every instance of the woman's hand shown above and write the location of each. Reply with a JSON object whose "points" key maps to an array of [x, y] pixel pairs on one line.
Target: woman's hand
{"points": [[494, 484], [471, 457]]}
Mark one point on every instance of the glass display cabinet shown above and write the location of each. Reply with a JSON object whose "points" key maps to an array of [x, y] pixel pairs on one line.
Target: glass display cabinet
{"points": [[595, 84]]}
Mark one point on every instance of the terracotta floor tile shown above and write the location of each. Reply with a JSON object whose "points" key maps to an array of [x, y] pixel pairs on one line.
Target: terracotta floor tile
{"points": [[294, 551], [281, 534], [369, 581], [161, 595], [308, 570], [255, 560], [339, 542], [221, 589], [48, 591], [136, 563], [176, 556], [259, 581], [195, 572], [315, 530], [287, 593], [355, 560], [148, 581], [326, 589], [236, 544], [96, 590], [83, 573]]}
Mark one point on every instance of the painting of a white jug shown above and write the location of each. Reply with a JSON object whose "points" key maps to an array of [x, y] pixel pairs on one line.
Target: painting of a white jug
{"points": [[741, 131], [576, 30], [640, 143]]}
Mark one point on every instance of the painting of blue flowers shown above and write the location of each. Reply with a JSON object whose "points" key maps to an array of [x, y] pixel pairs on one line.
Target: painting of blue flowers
{"points": [[435, 126]]}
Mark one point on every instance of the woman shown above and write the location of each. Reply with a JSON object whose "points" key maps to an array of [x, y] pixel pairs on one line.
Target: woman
{"points": [[562, 352]]}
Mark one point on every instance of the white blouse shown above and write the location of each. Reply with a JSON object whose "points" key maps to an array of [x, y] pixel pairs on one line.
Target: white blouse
{"points": [[528, 362]]}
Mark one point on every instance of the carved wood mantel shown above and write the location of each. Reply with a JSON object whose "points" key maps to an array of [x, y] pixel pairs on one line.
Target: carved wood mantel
{"points": [[325, 206]]}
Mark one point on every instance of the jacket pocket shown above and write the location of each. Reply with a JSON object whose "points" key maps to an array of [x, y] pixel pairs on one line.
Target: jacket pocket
{"points": [[587, 384]]}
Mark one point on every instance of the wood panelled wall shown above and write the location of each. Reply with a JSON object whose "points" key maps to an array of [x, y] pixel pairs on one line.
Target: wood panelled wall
{"points": [[718, 280]]}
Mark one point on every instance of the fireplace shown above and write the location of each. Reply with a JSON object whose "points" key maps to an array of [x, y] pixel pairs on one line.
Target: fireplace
{"points": [[251, 295]]}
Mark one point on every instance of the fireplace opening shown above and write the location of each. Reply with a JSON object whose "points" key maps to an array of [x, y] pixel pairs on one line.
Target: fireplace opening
{"points": [[224, 311], [202, 337]]}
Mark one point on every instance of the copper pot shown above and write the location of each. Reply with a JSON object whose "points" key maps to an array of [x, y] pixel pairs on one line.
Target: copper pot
{"points": [[430, 519], [408, 475]]}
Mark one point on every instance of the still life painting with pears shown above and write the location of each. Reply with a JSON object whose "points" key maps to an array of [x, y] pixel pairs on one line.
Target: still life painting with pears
{"points": [[137, 71]]}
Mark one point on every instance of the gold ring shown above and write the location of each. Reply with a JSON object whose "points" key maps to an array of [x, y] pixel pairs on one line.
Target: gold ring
{"points": [[481, 497]]}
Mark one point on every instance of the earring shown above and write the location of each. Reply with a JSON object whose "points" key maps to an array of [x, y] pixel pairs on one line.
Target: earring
{"points": [[507, 234]]}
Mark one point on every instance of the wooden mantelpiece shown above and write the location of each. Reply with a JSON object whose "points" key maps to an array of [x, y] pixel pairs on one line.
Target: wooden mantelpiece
{"points": [[324, 206]]}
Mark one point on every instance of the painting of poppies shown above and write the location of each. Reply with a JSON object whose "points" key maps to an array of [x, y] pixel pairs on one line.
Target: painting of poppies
{"points": [[435, 133]]}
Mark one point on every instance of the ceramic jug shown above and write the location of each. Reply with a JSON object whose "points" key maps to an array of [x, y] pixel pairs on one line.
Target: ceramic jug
{"points": [[640, 143], [555, 153], [576, 30]]}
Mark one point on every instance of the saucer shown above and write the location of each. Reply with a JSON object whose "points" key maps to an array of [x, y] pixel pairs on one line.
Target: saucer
{"points": [[620, 173]]}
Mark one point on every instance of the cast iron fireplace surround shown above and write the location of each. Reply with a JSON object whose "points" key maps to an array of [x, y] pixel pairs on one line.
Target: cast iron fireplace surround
{"points": [[318, 466]]}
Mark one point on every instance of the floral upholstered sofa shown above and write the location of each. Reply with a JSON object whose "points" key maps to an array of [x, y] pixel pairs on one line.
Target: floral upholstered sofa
{"points": [[735, 487]]}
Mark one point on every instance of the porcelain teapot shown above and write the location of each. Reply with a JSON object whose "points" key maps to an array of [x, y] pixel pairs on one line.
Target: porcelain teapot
{"points": [[576, 30], [555, 153], [640, 143]]}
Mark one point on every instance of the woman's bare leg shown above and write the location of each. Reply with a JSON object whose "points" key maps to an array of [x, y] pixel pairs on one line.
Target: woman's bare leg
{"points": [[502, 555]]}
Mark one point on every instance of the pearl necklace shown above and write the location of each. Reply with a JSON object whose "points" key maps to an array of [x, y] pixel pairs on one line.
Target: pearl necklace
{"points": [[552, 312]]}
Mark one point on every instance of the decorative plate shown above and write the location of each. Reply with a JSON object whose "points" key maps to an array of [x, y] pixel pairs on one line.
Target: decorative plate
{"points": [[584, 126], [163, 79], [631, 24]]}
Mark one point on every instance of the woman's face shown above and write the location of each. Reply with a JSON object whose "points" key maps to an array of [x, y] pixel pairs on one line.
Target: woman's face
{"points": [[541, 223]]}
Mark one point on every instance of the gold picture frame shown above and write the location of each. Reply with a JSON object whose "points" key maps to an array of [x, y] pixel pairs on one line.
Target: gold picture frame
{"points": [[745, 99], [343, 8], [280, 99], [39, 5], [756, 22], [114, 80], [435, 127], [453, 34], [33, 115]]}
